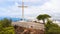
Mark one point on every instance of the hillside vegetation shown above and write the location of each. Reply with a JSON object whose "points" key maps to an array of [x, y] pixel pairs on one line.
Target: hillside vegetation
{"points": [[5, 27], [51, 28]]}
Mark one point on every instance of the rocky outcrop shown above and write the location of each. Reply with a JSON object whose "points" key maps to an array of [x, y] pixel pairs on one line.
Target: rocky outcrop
{"points": [[23, 30]]}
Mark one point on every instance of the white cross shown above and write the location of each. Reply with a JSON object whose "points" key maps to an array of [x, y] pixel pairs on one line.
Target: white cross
{"points": [[22, 10]]}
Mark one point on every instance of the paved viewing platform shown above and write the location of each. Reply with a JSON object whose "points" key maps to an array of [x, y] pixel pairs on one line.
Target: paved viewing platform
{"points": [[29, 24]]}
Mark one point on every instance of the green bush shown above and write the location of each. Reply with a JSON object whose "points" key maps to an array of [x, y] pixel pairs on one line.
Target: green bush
{"points": [[52, 28], [5, 27], [6, 22]]}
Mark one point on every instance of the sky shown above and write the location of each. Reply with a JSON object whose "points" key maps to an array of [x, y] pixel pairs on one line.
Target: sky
{"points": [[9, 8]]}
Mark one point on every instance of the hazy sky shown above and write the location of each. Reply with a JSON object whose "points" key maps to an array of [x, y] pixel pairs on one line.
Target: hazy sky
{"points": [[35, 7]]}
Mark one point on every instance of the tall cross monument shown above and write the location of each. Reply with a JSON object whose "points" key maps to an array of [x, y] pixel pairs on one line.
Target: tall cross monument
{"points": [[22, 9]]}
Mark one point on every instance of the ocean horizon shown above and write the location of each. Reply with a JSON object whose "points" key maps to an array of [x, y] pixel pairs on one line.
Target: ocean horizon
{"points": [[12, 18]]}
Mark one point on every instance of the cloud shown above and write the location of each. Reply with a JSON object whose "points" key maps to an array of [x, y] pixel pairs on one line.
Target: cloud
{"points": [[26, 0], [30, 2], [51, 7]]}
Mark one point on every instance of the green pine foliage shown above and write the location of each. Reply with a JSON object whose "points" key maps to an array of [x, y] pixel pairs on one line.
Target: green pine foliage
{"points": [[43, 17]]}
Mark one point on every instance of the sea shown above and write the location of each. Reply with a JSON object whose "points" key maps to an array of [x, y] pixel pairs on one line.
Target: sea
{"points": [[12, 18]]}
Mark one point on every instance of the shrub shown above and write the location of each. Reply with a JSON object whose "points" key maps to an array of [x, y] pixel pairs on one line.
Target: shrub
{"points": [[5, 27], [52, 28]]}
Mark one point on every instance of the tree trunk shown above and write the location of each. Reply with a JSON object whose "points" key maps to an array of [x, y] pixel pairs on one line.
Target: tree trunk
{"points": [[43, 21], [44, 25]]}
